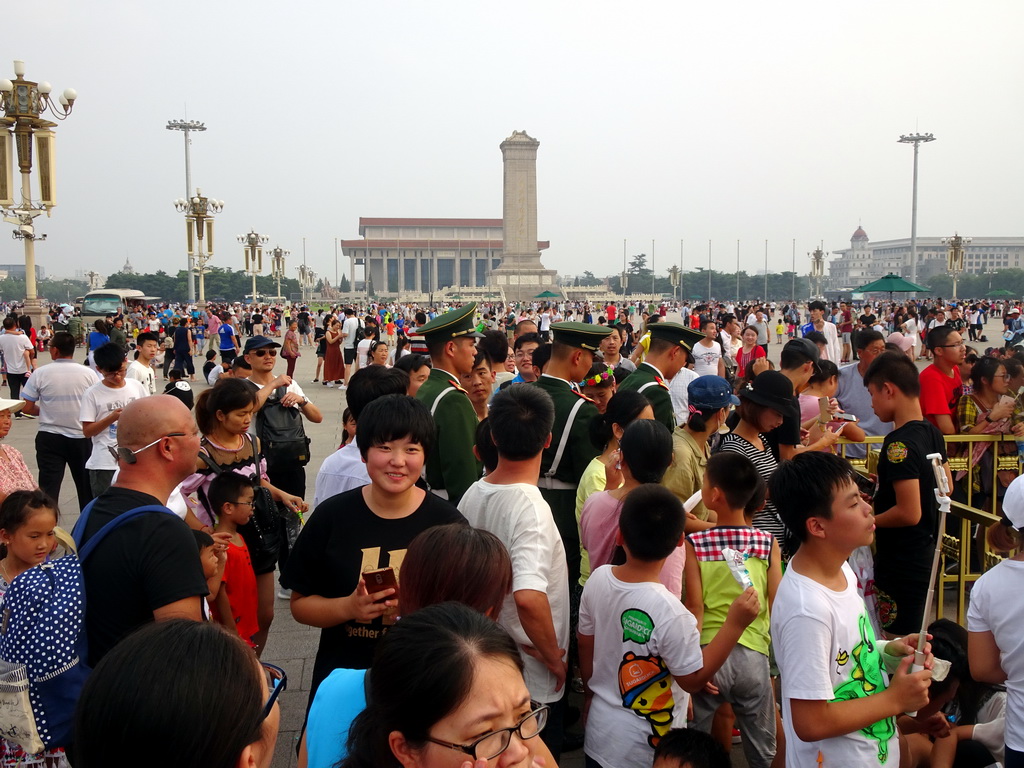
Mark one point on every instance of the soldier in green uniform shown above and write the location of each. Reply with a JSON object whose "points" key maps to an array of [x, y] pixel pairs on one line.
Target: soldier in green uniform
{"points": [[570, 450], [670, 343], [451, 341]]}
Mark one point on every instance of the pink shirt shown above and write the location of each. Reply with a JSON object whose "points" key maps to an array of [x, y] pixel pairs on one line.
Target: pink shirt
{"points": [[599, 522]]}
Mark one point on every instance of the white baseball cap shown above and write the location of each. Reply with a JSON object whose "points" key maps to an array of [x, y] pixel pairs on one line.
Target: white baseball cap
{"points": [[1013, 503]]}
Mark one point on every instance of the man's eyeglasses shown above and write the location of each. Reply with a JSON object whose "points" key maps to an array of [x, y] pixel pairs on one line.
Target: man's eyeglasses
{"points": [[264, 352], [277, 681], [492, 744], [951, 346], [127, 455]]}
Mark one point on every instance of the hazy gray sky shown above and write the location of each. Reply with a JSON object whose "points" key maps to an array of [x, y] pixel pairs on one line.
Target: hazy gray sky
{"points": [[657, 120]]}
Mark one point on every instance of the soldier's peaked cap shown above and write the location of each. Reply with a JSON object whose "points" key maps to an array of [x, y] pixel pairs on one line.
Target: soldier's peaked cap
{"points": [[676, 334], [580, 335], [451, 325]]}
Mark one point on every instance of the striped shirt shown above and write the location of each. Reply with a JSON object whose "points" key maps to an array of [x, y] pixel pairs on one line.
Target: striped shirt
{"points": [[767, 519]]}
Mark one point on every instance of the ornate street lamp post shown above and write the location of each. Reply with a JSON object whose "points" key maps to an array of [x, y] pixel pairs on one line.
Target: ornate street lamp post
{"points": [[199, 213], [955, 259], [23, 103], [187, 126], [253, 246], [817, 270], [277, 257]]}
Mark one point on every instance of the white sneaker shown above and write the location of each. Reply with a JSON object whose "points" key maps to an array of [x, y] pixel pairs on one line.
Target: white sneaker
{"points": [[284, 594], [342, 386], [331, 385]]}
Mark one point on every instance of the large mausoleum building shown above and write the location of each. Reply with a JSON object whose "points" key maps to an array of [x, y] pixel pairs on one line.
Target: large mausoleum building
{"points": [[426, 255]]}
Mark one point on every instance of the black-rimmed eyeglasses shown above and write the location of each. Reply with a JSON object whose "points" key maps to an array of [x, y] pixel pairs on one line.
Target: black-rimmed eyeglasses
{"points": [[492, 744]]}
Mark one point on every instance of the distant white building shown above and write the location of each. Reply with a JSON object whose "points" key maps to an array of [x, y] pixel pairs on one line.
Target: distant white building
{"points": [[127, 269], [865, 261]]}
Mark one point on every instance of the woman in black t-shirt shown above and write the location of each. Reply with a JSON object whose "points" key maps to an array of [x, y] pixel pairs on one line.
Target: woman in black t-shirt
{"points": [[362, 530]]}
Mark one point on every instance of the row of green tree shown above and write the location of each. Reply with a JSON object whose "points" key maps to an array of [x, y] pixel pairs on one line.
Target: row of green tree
{"points": [[56, 291], [219, 283]]}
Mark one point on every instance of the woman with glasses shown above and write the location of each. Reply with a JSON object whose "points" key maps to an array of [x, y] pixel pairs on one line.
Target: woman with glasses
{"points": [[990, 409], [444, 563], [447, 690], [206, 702]]}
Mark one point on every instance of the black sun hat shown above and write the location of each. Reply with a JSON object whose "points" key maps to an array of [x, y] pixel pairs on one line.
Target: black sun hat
{"points": [[772, 390]]}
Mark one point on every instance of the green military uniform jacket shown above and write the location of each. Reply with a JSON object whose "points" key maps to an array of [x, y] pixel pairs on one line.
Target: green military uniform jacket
{"points": [[451, 466], [649, 380], [576, 456]]}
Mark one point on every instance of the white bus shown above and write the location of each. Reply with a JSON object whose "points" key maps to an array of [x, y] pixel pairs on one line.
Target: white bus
{"points": [[112, 301]]}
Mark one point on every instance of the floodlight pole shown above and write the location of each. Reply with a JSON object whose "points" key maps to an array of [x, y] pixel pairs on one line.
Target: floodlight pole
{"points": [[916, 139]]}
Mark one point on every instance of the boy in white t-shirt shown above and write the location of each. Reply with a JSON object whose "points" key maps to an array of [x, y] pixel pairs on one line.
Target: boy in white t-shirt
{"points": [[101, 408], [707, 353], [508, 504], [141, 368], [640, 651], [839, 705]]}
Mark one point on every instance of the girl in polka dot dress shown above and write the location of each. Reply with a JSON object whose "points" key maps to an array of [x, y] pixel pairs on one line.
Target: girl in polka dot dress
{"points": [[27, 520]]}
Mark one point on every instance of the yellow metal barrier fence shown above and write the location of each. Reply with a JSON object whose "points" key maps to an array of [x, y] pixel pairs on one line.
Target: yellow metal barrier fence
{"points": [[965, 548]]}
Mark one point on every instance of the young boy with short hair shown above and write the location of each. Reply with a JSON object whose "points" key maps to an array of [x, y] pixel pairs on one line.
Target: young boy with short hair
{"points": [[838, 705], [640, 649], [744, 680], [906, 511], [101, 408], [231, 497], [690, 748]]}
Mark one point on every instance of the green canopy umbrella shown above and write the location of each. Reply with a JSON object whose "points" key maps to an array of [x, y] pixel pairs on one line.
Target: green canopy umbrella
{"points": [[891, 284], [999, 293], [548, 295]]}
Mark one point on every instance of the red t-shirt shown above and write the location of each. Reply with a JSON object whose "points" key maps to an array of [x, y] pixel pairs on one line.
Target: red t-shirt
{"points": [[610, 313], [940, 394], [847, 325], [240, 582], [742, 360]]}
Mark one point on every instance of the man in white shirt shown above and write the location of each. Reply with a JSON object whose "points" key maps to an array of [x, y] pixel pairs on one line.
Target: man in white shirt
{"points": [[349, 339], [141, 368], [54, 393], [508, 504], [345, 469], [833, 350], [17, 353]]}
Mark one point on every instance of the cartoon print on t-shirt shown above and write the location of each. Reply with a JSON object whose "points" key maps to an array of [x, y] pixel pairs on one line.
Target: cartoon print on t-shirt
{"points": [[646, 688], [644, 681], [865, 679]]}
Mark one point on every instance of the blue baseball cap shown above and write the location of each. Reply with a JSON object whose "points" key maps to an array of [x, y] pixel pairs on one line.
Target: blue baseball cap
{"points": [[706, 392]]}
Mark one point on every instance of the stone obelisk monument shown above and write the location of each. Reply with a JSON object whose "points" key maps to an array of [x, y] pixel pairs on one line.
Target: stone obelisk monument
{"points": [[521, 274]]}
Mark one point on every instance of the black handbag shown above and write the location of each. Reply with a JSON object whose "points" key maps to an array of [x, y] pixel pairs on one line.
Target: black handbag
{"points": [[264, 529]]}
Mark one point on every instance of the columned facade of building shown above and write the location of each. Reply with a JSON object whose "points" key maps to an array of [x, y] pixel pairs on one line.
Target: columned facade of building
{"points": [[865, 261], [425, 255]]}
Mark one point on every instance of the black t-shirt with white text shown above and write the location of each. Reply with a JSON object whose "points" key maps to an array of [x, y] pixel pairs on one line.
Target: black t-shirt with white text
{"points": [[147, 563], [342, 539]]}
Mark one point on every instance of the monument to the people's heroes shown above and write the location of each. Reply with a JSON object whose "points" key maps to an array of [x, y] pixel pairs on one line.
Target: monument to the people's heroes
{"points": [[521, 274]]}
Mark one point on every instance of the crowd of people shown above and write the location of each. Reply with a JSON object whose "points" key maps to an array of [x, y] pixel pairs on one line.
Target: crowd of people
{"points": [[529, 501]]}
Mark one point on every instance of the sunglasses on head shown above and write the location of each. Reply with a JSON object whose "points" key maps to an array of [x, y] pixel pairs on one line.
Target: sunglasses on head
{"points": [[263, 352]]}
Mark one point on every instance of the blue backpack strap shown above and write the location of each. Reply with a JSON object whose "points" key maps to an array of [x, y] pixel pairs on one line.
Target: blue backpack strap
{"points": [[83, 520], [102, 533]]}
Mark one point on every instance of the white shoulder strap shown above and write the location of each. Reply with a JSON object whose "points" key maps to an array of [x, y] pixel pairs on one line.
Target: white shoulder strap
{"points": [[648, 384], [565, 438], [437, 399]]}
